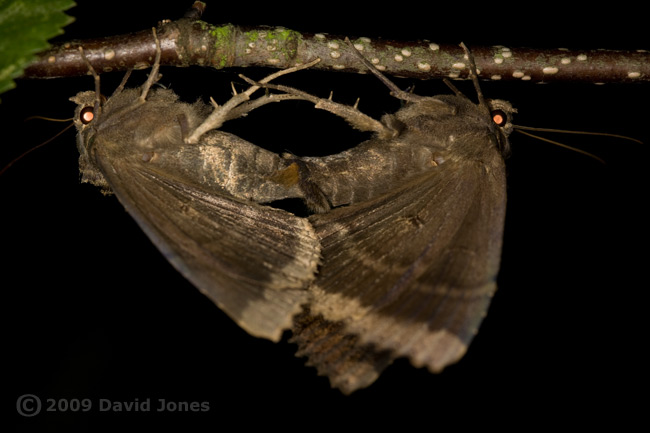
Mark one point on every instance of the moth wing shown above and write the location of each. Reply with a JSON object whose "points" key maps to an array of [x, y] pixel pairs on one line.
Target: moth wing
{"points": [[254, 262], [410, 273]]}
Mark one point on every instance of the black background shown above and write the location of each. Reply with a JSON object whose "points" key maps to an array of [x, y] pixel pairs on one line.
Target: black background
{"points": [[94, 311]]}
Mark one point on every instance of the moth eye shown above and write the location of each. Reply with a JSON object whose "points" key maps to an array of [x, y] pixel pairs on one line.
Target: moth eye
{"points": [[86, 115], [499, 117]]}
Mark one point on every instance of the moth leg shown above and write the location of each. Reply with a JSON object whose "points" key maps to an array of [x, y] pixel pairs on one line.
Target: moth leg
{"points": [[221, 113], [248, 106], [237, 112], [98, 94], [184, 124], [474, 76], [119, 88], [394, 90], [354, 117], [153, 75]]}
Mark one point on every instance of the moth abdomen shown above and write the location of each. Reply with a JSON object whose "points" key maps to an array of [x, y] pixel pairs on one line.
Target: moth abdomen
{"points": [[369, 170]]}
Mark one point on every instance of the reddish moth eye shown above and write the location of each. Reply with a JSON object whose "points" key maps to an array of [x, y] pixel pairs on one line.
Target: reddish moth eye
{"points": [[499, 117], [86, 115]]}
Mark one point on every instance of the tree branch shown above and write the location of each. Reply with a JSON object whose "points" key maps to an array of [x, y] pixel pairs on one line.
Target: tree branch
{"points": [[189, 41]]}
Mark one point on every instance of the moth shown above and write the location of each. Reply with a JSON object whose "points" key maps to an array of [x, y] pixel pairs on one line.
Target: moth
{"points": [[398, 259], [410, 225], [180, 180]]}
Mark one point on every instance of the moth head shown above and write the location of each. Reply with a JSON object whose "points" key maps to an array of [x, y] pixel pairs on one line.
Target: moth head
{"points": [[85, 112], [501, 114], [85, 119]]}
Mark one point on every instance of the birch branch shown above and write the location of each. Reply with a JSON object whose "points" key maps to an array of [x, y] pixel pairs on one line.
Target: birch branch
{"points": [[190, 41]]}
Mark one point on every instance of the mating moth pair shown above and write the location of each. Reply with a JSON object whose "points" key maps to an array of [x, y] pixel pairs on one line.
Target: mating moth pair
{"points": [[400, 254]]}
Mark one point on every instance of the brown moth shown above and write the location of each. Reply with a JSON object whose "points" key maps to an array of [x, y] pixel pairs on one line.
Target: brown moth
{"points": [[178, 178], [411, 249]]}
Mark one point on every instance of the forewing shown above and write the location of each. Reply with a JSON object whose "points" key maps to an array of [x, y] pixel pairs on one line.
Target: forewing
{"points": [[254, 262], [410, 273]]}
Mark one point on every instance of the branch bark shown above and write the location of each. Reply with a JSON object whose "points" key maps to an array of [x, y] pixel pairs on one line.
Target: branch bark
{"points": [[189, 41]]}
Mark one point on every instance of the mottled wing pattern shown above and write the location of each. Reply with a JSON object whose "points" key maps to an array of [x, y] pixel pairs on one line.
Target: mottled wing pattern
{"points": [[254, 262], [410, 273]]}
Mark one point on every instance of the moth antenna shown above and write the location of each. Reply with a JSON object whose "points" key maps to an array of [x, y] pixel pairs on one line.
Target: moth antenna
{"points": [[98, 94], [521, 129], [567, 131], [119, 88], [394, 90], [153, 76], [27, 152], [474, 76], [50, 119], [557, 143]]}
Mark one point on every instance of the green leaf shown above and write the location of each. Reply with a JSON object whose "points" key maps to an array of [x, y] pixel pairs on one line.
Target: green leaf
{"points": [[25, 27]]}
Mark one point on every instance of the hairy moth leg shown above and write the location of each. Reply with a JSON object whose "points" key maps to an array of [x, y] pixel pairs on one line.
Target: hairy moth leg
{"points": [[222, 113]]}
